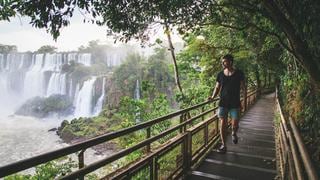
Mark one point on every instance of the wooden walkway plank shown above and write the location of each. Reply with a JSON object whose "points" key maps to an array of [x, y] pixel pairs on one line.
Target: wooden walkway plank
{"points": [[254, 155]]}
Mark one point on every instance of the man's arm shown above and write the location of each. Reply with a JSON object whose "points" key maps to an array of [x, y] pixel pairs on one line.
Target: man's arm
{"points": [[216, 90]]}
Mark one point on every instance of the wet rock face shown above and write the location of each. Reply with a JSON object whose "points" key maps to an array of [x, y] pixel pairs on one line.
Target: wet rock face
{"points": [[43, 107]]}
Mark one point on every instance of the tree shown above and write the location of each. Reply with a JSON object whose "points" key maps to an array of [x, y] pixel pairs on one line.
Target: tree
{"points": [[47, 49], [4, 49], [295, 24]]}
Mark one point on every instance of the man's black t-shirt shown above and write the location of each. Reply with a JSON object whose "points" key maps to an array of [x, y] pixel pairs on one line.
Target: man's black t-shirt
{"points": [[230, 89]]}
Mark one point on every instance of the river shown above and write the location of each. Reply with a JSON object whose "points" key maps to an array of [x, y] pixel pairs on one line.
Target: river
{"points": [[24, 137]]}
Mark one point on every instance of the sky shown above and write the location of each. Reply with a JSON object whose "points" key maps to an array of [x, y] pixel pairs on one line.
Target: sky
{"points": [[27, 38]]}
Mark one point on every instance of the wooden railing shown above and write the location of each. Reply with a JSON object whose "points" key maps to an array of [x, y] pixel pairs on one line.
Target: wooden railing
{"points": [[194, 135], [291, 150]]}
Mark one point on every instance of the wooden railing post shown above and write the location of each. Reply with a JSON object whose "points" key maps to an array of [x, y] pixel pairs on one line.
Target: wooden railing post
{"points": [[245, 99], [185, 119], [295, 148], [206, 134], [182, 119], [153, 169], [311, 172], [148, 136], [81, 161], [188, 151], [202, 110]]}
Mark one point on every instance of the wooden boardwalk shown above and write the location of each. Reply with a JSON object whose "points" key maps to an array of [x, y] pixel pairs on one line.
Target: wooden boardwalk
{"points": [[254, 155]]}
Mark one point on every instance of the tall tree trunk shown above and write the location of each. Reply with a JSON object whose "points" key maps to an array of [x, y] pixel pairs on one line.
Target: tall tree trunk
{"points": [[171, 49], [299, 47]]}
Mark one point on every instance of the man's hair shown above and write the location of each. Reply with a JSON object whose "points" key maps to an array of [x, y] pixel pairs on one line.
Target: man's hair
{"points": [[228, 57]]}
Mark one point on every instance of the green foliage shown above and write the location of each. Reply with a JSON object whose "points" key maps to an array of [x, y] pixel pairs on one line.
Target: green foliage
{"points": [[155, 75], [169, 162], [296, 22], [194, 94], [302, 103], [42, 107], [49, 170], [46, 49], [133, 111], [80, 73], [8, 9], [84, 127], [5, 49], [128, 73], [200, 62]]}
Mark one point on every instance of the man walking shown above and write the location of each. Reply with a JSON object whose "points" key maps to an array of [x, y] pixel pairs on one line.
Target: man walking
{"points": [[229, 81]]}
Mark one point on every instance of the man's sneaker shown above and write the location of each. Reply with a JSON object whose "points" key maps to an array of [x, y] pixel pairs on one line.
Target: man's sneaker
{"points": [[234, 138], [222, 149]]}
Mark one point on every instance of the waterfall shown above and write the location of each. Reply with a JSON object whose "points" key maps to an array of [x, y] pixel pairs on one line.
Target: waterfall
{"points": [[70, 89], [85, 59], [114, 57], [99, 104], [57, 84], [52, 62], [34, 80], [137, 97], [2, 63], [76, 94], [137, 90], [71, 57], [26, 75], [84, 99]]}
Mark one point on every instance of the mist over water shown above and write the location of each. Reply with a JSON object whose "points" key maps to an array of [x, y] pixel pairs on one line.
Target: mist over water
{"points": [[24, 137], [26, 75]]}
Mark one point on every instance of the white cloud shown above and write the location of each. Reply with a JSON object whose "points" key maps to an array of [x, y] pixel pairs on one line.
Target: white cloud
{"points": [[27, 38]]}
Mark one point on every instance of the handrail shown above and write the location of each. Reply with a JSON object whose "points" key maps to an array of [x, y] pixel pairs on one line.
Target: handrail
{"points": [[122, 153], [186, 135], [34, 161], [291, 136]]}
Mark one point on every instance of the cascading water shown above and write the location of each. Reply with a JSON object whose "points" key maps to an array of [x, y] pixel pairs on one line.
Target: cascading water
{"points": [[99, 104], [33, 83], [85, 59], [137, 90], [114, 57], [27, 75], [57, 84], [137, 97], [84, 99]]}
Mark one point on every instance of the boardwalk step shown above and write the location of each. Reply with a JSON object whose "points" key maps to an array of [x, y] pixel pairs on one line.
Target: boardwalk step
{"points": [[254, 155], [197, 175], [234, 171], [256, 135], [258, 131], [247, 140], [254, 150], [257, 125], [264, 162]]}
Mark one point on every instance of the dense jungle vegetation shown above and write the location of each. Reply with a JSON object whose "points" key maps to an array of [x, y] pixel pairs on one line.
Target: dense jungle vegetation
{"points": [[276, 40]]}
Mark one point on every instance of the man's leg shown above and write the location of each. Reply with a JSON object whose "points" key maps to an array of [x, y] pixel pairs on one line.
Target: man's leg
{"points": [[223, 116], [234, 113], [223, 130], [235, 126]]}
